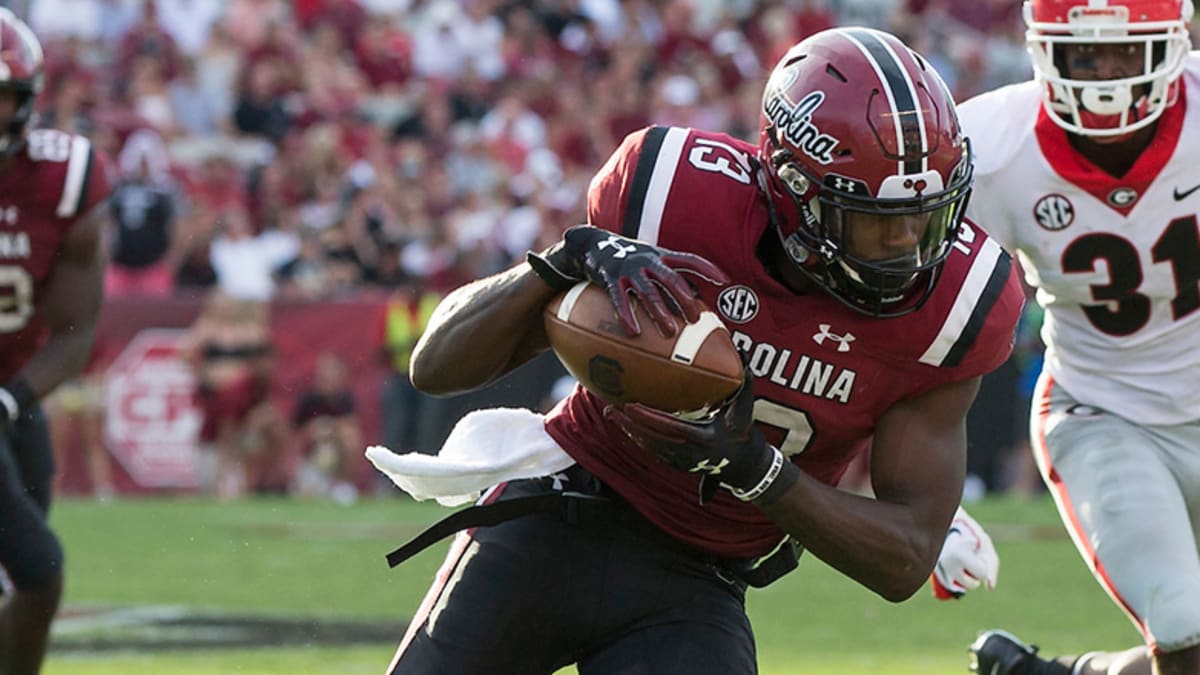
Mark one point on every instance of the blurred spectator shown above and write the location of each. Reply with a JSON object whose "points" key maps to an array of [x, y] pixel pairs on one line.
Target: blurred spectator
{"points": [[147, 39], [188, 22], [412, 420], [230, 350], [194, 110], [245, 262], [438, 52], [383, 53], [144, 207], [60, 18], [329, 436], [333, 84], [147, 94], [260, 110], [347, 17], [218, 67], [249, 22]]}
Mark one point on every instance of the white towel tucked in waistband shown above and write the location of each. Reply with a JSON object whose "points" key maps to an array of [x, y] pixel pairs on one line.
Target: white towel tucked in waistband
{"points": [[486, 447]]}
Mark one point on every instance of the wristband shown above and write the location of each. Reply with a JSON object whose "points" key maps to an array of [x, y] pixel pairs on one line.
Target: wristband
{"points": [[788, 475], [777, 462], [15, 397]]}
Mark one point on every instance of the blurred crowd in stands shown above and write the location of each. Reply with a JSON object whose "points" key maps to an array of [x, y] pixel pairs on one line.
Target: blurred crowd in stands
{"points": [[315, 148], [320, 149]]}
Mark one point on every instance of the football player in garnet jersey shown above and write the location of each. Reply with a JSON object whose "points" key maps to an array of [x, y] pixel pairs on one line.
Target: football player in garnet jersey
{"points": [[52, 189], [1088, 171], [836, 252]]}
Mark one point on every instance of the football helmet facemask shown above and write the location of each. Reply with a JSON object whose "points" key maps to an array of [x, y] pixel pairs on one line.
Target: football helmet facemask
{"points": [[860, 140], [22, 70], [1153, 30]]}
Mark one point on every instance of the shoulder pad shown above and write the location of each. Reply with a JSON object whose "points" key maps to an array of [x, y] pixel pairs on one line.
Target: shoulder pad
{"points": [[997, 121]]}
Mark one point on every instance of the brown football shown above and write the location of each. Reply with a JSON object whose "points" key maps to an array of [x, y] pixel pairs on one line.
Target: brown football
{"points": [[696, 368]]}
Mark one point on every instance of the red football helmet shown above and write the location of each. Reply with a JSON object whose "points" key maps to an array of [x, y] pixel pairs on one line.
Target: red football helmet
{"points": [[857, 127], [22, 70], [1157, 29]]}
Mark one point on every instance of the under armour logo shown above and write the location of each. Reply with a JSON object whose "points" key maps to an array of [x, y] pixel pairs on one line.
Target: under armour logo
{"points": [[615, 241], [709, 468], [843, 184], [842, 340], [559, 480]]}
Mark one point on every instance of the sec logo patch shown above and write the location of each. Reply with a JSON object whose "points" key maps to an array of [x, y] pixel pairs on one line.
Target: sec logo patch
{"points": [[1054, 212], [738, 304]]}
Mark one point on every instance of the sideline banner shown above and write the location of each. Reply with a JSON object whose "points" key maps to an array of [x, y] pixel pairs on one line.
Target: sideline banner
{"points": [[151, 423]]}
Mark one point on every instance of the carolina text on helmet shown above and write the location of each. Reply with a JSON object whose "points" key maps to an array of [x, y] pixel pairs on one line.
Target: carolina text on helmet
{"points": [[796, 126]]}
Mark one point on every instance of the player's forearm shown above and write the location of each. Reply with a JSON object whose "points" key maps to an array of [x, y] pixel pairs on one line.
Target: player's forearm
{"points": [[876, 543], [62, 357], [481, 331]]}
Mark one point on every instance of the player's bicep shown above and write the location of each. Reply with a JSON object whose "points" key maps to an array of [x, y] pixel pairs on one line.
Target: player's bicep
{"points": [[75, 289], [918, 458]]}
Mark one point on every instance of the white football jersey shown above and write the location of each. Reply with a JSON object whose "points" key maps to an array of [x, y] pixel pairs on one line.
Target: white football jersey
{"points": [[1116, 261]]}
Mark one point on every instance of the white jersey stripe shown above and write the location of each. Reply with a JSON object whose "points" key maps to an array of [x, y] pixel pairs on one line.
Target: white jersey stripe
{"points": [[964, 304], [77, 166], [660, 184]]}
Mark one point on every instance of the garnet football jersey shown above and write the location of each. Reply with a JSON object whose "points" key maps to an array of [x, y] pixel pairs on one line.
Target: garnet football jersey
{"points": [[55, 180], [823, 373], [1116, 260]]}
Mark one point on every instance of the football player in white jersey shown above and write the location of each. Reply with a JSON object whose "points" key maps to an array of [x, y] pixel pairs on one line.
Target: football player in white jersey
{"points": [[1088, 173]]}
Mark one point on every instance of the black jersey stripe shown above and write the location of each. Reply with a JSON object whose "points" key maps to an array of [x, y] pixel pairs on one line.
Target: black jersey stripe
{"points": [[647, 157], [87, 181], [906, 106], [996, 282]]}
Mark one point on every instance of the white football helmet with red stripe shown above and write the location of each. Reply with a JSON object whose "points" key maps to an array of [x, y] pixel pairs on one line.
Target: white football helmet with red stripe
{"points": [[855, 125], [1118, 106]]}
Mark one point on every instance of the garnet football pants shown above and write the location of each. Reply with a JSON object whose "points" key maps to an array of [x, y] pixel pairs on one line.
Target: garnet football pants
{"points": [[29, 551], [1129, 495], [611, 593]]}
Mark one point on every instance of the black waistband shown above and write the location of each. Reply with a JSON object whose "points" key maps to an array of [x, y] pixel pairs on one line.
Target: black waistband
{"points": [[598, 504]]}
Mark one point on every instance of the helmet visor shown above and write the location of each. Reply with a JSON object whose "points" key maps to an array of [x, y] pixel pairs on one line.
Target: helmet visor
{"points": [[886, 245]]}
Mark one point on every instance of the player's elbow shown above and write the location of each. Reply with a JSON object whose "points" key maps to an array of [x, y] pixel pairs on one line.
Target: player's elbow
{"points": [[901, 589], [428, 377], [442, 375], [904, 577]]}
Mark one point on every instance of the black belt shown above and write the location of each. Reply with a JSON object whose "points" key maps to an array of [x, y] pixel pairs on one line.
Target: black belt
{"points": [[577, 508], [572, 505]]}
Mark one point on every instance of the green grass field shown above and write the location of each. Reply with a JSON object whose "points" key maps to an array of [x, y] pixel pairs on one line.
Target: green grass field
{"points": [[321, 564]]}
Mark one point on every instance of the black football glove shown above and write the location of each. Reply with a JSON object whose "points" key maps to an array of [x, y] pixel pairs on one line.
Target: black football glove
{"points": [[728, 448], [626, 266]]}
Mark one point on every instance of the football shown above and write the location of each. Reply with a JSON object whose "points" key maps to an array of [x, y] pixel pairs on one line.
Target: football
{"points": [[693, 370]]}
